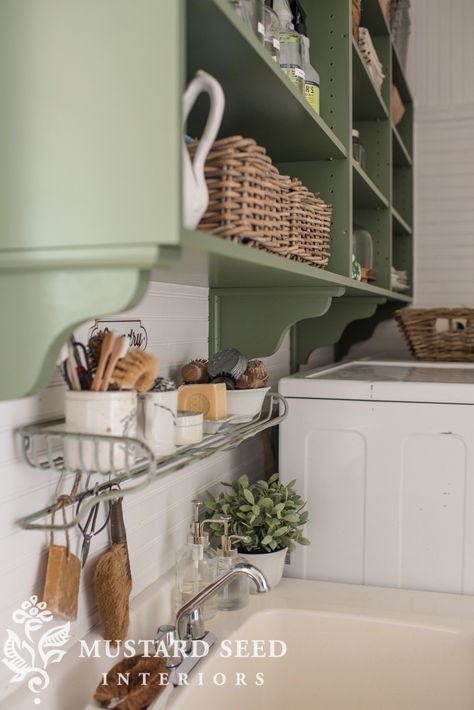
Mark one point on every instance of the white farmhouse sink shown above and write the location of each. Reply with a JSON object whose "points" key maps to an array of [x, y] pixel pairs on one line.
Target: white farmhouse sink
{"points": [[348, 648]]}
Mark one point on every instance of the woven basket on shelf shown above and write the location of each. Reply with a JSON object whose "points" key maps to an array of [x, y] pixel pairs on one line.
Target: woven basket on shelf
{"points": [[439, 334], [310, 226], [356, 14], [247, 195], [251, 203]]}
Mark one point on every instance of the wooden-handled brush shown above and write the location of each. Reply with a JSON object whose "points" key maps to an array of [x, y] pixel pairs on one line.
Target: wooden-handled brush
{"points": [[113, 580]]}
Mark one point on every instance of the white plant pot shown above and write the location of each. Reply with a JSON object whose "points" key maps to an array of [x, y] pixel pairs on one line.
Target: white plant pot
{"points": [[271, 564], [106, 413]]}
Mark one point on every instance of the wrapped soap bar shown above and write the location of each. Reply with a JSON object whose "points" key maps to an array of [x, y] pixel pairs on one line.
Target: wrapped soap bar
{"points": [[209, 399]]}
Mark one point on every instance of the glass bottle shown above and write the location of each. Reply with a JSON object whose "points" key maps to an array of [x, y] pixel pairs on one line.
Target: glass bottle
{"points": [[236, 594], [196, 566], [312, 80], [291, 45], [251, 12], [272, 33]]}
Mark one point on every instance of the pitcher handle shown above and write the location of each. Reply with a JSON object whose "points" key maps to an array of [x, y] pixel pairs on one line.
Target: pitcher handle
{"points": [[205, 82]]}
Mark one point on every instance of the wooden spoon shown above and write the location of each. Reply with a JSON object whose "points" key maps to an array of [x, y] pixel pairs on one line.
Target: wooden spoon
{"points": [[105, 351]]}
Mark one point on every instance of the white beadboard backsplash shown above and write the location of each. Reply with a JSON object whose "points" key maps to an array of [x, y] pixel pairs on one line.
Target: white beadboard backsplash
{"points": [[157, 518]]}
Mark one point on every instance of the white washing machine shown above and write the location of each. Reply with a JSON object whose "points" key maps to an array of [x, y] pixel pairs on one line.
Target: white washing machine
{"points": [[384, 454]]}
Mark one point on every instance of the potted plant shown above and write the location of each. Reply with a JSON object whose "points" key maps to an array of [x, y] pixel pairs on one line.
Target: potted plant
{"points": [[269, 514]]}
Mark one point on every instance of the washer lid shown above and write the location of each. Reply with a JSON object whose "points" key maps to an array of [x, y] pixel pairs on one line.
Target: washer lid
{"points": [[394, 381]]}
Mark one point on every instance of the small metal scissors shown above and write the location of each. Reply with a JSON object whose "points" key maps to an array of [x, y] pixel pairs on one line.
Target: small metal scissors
{"points": [[88, 530]]}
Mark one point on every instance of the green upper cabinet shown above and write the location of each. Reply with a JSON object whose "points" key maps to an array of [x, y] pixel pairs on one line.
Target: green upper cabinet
{"points": [[90, 169]]}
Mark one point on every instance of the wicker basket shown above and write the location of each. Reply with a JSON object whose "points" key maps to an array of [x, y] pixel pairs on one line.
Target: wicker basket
{"points": [[247, 195], [251, 203], [356, 14], [310, 226], [439, 334]]}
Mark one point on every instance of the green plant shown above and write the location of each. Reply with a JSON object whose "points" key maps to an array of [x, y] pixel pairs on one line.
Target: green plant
{"points": [[268, 513]]}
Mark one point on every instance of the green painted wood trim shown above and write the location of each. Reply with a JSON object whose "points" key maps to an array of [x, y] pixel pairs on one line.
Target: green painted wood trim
{"points": [[132, 256], [327, 330], [256, 320], [45, 307], [358, 331]]}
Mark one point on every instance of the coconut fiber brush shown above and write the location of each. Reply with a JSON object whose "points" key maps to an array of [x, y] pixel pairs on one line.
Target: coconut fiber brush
{"points": [[113, 579]]}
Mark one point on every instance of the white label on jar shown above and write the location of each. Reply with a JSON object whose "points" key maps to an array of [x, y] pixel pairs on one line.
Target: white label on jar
{"points": [[260, 28], [276, 43], [299, 72]]}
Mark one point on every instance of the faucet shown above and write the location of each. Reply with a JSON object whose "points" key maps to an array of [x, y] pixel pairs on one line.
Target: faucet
{"points": [[189, 626]]}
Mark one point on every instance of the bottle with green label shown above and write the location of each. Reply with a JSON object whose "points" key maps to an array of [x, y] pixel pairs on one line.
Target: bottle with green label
{"points": [[312, 81]]}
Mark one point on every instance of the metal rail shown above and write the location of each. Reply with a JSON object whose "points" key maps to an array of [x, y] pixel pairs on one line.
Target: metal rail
{"points": [[49, 446]]}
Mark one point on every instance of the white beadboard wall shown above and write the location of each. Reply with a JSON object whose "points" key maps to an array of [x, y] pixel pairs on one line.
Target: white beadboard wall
{"points": [[176, 319]]}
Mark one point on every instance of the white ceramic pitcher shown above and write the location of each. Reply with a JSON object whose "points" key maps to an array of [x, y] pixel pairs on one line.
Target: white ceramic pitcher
{"points": [[196, 197]]}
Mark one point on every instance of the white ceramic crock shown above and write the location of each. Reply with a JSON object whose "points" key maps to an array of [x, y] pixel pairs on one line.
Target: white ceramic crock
{"points": [[270, 563], [106, 413], [160, 411]]}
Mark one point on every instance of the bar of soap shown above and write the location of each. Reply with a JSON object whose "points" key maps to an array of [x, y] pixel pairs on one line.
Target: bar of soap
{"points": [[209, 399]]}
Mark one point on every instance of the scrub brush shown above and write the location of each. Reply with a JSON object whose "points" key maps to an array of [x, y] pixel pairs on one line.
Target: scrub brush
{"points": [[137, 370]]}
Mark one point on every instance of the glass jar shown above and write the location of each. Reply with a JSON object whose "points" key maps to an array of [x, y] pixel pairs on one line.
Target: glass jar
{"points": [[291, 57], [358, 150], [251, 12], [272, 33], [363, 247]]}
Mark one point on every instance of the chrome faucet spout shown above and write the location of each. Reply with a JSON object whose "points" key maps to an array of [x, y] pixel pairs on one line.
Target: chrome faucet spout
{"points": [[187, 611]]}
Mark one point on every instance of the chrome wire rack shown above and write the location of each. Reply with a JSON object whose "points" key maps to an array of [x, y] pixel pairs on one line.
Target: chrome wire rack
{"points": [[123, 461]]}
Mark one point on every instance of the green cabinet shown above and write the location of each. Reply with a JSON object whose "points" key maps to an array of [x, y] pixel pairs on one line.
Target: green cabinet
{"points": [[90, 145]]}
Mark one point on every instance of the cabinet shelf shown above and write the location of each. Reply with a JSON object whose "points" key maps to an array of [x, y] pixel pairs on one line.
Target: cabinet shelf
{"points": [[221, 264], [399, 225], [366, 193], [399, 78], [401, 155], [262, 103], [368, 104]]}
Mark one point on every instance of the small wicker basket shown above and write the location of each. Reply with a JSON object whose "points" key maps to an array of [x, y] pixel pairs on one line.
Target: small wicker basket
{"points": [[310, 226], [247, 195], [251, 203], [438, 334]]}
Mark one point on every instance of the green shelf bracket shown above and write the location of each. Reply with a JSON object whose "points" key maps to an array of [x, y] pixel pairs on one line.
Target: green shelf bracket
{"points": [[46, 306], [357, 332], [313, 333], [255, 320]]}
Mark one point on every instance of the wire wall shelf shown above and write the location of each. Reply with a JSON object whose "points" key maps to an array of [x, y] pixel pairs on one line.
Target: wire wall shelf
{"points": [[112, 466]]}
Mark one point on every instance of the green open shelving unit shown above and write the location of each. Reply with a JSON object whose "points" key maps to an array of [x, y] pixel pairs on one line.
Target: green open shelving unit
{"points": [[90, 203], [262, 103]]}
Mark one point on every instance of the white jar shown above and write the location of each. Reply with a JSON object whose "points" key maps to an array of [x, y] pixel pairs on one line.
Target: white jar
{"points": [[105, 413], [159, 429], [189, 428]]}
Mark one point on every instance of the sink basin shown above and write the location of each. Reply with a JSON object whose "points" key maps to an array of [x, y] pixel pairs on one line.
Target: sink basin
{"points": [[348, 648]]}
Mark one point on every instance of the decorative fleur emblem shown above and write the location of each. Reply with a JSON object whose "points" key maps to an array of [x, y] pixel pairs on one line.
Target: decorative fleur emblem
{"points": [[31, 652]]}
